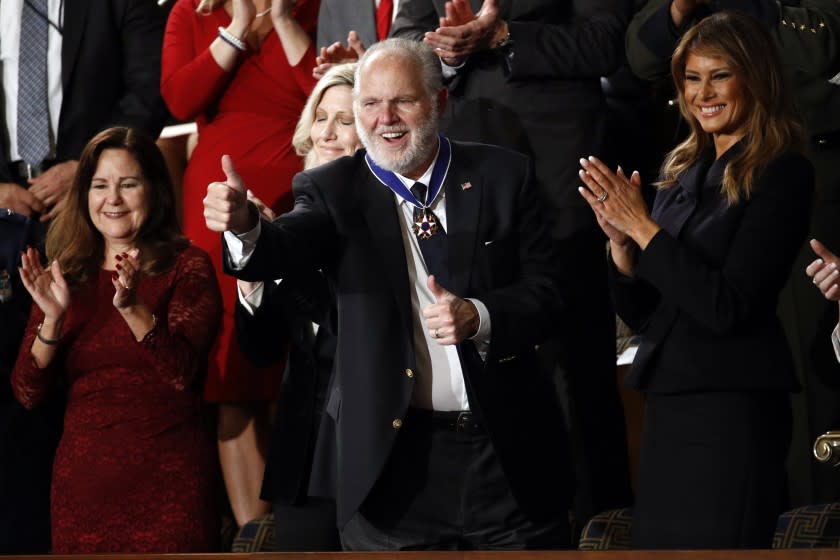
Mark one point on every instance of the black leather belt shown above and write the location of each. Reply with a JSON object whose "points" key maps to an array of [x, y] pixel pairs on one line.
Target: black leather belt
{"points": [[20, 171], [459, 421]]}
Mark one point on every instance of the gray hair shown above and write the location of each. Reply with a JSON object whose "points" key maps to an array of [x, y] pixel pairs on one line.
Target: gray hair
{"points": [[413, 51]]}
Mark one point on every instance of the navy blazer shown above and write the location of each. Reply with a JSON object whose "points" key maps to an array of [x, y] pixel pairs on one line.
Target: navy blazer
{"points": [[345, 222], [706, 287], [287, 312]]}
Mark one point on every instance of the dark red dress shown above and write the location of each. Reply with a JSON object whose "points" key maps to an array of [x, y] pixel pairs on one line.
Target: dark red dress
{"points": [[136, 468], [250, 114]]}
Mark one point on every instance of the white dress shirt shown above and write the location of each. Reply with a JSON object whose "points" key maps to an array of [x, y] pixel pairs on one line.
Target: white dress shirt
{"points": [[835, 341], [10, 22], [445, 388]]}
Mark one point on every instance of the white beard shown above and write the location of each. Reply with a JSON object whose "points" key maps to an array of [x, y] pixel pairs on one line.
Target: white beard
{"points": [[423, 141]]}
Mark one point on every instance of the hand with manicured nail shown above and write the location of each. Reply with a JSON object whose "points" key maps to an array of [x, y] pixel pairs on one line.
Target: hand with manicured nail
{"points": [[47, 286], [125, 279]]}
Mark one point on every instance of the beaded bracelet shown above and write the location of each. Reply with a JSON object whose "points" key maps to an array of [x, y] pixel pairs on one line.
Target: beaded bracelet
{"points": [[232, 39], [45, 340]]}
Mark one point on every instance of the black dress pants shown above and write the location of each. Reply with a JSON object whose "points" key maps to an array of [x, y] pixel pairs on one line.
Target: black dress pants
{"points": [[443, 488]]}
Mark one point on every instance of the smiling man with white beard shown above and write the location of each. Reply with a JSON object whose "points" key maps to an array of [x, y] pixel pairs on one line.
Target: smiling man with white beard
{"points": [[439, 432]]}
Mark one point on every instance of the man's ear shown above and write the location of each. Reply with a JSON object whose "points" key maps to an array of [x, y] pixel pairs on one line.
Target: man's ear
{"points": [[442, 99]]}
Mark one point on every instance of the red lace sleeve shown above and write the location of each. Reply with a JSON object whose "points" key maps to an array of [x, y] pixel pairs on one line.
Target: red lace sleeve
{"points": [[185, 329], [29, 382]]}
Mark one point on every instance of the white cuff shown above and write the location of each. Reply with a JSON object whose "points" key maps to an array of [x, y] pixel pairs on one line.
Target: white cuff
{"points": [[450, 71], [835, 341], [481, 338], [241, 247]]}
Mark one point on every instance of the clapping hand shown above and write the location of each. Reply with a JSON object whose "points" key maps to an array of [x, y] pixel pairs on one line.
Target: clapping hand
{"points": [[47, 286], [338, 54], [824, 271], [125, 279], [462, 32], [682, 10], [617, 202], [243, 14]]}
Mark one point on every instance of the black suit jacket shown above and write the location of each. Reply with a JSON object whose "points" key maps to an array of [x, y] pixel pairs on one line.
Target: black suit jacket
{"points": [[110, 73], [345, 222], [706, 288], [287, 313], [546, 99]]}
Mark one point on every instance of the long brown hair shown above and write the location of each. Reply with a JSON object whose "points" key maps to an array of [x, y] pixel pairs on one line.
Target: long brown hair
{"points": [[79, 247], [772, 123]]}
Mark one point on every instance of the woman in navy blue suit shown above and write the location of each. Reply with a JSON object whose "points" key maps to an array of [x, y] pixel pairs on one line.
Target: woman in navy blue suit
{"points": [[699, 277]]}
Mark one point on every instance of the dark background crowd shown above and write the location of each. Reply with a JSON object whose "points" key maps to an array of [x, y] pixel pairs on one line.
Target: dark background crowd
{"points": [[190, 342]]}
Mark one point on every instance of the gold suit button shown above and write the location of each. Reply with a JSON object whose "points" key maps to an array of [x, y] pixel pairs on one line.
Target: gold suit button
{"points": [[409, 373], [397, 423]]}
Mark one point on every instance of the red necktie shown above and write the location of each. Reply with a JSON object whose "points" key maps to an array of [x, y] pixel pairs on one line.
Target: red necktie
{"points": [[383, 18]]}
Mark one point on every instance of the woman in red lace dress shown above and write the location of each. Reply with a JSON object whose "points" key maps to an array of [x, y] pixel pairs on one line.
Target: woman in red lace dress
{"points": [[123, 320], [245, 87]]}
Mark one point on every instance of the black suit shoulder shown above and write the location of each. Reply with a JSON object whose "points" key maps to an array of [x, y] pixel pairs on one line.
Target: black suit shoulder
{"points": [[717, 270]]}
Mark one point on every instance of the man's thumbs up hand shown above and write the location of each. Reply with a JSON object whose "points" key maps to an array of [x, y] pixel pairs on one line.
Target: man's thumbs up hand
{"points": [[226, 204], [450, 320]]}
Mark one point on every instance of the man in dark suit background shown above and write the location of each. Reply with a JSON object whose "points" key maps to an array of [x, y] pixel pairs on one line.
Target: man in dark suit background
{"points": [[525, 74], [102, 69], [440, 431]]}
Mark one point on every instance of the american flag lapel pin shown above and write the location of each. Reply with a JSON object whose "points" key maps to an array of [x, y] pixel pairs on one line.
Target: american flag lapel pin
{"points": [[466, 186]]}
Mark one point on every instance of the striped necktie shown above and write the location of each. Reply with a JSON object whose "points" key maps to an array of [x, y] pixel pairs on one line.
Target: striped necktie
{"points": [[33, 129]]}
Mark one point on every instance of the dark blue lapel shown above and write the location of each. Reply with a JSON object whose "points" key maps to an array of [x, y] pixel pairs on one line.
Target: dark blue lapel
{"points": [[674, 206], [463, 189], [382, 217]]}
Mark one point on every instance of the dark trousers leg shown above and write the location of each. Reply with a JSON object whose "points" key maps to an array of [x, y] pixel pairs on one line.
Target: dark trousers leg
{"points": [[443, 490], [307, 527]]}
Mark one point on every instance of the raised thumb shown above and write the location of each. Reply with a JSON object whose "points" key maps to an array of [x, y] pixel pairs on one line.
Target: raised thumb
{"points": [[438, 291], [233, 180]]}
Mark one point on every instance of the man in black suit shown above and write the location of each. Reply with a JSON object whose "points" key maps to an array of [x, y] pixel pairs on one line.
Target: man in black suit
{"points": [[525, 74], [102, 69], [440, 431]]}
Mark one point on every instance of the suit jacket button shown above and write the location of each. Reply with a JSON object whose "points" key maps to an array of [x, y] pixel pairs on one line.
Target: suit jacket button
{"points": [[397, 423], [409, 373]]}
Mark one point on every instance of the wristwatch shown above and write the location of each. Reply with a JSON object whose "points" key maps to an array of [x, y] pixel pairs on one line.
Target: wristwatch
{"points": [[504, 43], [504, 46]]}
